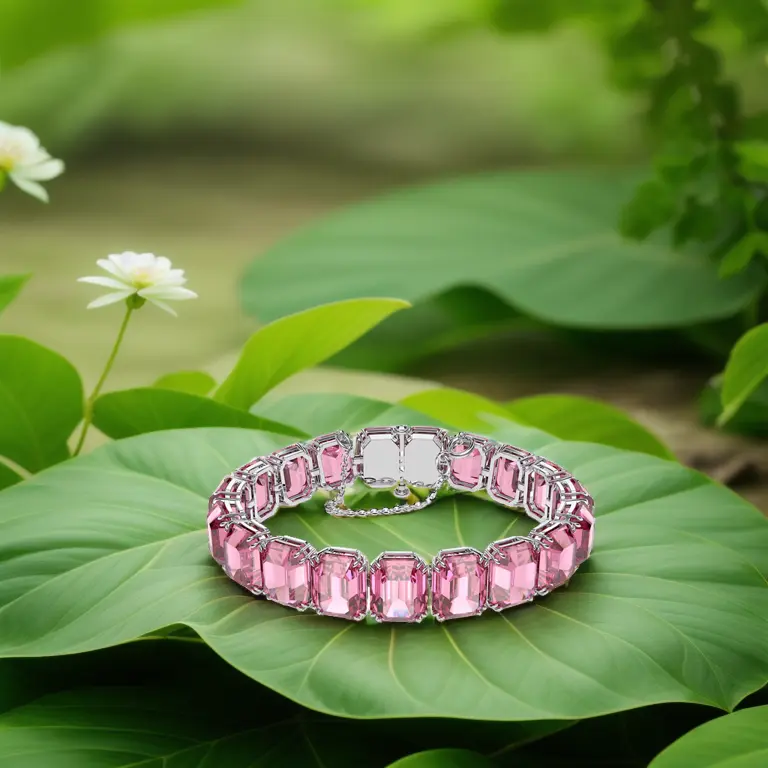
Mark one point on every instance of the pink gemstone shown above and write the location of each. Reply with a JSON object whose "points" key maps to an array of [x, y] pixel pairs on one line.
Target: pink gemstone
{"points": [[217, 532], [458, 585], [539, 494], [557, 560], [332, 460], [296, 478], [584, 535], [339, 585], [505, 477], [264, 492], [286, 572], [466, 470], [231, 548], [512, 580], [243, 561], [398, 588]]}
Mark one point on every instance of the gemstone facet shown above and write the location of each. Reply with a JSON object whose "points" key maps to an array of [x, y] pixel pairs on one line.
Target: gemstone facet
{"points": [[398, 587], [467, 457], [557, 557], [340, 584], [584, 533], [458, 584], [543, 496], [287, 571], [506, 473], [512, 570]]}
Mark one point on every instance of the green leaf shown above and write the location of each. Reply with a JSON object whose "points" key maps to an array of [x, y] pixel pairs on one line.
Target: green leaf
{"points": [[454, 406], [565, 416], [299, 341], [30, 28], [320, 413], [753, 157], [653, 205], [738, 740], [747, 367], [581, 418], [41, 402], [8, 476], [191, 382], [137, 411], [737, 259], [175, 725], [750, 419], [543, 241], [443, 758], [669, 608], [10, 285], [437, 324]]}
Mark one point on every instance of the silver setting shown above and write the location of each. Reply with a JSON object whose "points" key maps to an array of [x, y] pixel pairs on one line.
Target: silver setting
{"points": [[397, 458], [523, 459], [280, 460], [360, 562], [377, 456], [250, 473], [421, 566], [438, 562], [553, 475], [316, 448], [420, 454]]}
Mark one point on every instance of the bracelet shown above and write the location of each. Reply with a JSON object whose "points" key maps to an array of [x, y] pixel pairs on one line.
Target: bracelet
{"points": [[397, 586]]}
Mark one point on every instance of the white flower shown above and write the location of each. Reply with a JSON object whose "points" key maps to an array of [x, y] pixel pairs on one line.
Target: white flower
{"points": [[25, 162], [140, 274]]}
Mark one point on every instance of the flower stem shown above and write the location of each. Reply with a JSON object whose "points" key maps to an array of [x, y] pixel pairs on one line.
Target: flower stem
{"points": [[88, 415]]}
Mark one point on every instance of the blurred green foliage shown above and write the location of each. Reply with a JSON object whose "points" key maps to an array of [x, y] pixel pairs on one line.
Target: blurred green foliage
{"points": [[30, 28]]}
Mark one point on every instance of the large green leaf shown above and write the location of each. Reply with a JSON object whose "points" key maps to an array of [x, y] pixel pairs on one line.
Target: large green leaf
{"points": [[318, 413], [10, 285], [299, 341], [29, 28], [545, 242], [565, 416], [458, 316], [747, 368], [41, 402], [670, 607], [137, 411], [738, 740]]}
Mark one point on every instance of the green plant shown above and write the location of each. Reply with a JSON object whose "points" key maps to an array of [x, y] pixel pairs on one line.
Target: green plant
{"points": [[146, 575], [121, 643], [590, 251]]}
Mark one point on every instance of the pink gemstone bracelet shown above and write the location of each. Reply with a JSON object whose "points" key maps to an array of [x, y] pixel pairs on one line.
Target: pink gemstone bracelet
{"points": [[400, 586]]}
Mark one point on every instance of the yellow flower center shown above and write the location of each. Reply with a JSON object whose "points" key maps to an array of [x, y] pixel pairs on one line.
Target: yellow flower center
{"points": [[11, 152]]}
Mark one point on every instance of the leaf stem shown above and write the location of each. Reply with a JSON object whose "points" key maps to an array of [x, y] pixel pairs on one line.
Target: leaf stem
{"points": [[88, 415]]}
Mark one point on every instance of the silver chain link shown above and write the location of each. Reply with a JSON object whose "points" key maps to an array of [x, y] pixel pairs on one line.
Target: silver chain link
{"points": [[336, 507]]}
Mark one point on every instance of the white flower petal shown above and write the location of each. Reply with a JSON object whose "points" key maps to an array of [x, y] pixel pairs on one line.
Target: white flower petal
{"points": [[44, 171], [173, 293], [109, 298], [107, 282], [30, 187], [163, 306]]}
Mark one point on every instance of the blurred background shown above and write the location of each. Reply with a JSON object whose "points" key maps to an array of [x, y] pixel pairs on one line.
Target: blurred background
{"points": [[209, 135]]}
